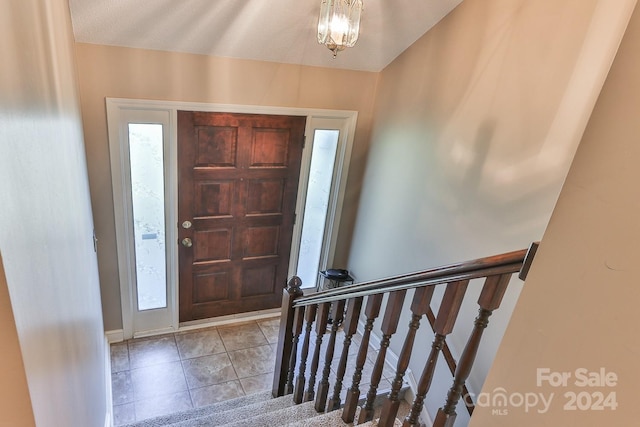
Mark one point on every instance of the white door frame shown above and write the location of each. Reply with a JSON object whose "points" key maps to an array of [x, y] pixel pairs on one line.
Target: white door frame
{"points": [[120, 110], [149, 322], [336, 193]]}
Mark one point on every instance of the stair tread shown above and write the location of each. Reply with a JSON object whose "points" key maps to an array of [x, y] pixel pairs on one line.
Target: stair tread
{"points": [[303, 415], [280, 417], [334, 418], [238, 414], [259, 410], [329, 419], [216, 408]]}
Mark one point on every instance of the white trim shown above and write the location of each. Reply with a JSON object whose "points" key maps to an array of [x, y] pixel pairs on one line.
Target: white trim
{"points": [[346, 127], [171, 212], [116, 105], [118, 117], [122, 220], [108, 416], [334, 213], [114, 336], [145, 104]]}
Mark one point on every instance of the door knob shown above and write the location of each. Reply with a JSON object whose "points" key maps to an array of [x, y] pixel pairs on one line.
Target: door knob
{"points": [[186, 242]]}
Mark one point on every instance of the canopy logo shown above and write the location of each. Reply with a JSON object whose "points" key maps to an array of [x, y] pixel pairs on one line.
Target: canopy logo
{"points": [[579, 390]]}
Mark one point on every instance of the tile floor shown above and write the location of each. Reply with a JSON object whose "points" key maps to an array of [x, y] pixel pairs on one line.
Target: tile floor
{"points": [[170, 373]]}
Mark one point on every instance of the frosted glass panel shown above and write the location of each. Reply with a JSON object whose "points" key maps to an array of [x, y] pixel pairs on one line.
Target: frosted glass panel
{"points": [[147, 193], [325, 143]]}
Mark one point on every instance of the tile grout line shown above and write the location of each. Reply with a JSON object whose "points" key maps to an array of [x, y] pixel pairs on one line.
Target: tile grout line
{"points": [[184, 374], [182, 357]]}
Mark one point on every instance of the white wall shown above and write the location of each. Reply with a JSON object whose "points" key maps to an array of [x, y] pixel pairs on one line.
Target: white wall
{"points": [[46, 227], [475, 127], [579, 307]]}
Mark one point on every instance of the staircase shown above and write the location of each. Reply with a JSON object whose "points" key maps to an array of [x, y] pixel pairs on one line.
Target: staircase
{"points": [[311, 387], [257, 410], [303, 372]]}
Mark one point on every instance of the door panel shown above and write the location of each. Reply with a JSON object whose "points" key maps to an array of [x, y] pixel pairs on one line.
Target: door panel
{"points": [[238, 179]]}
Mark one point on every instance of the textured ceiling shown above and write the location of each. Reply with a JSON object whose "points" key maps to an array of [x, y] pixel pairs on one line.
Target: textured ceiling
{"points": [[268, 30]]}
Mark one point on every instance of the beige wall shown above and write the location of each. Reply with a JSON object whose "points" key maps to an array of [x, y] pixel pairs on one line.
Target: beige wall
{"points": [[475, 127], [106, 71], [46, 228], [579, 308], [15, 404]]}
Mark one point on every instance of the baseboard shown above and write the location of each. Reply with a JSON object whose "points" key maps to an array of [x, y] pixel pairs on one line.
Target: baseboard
{"points": [[108, 417], [392, 361], [114, 336]]}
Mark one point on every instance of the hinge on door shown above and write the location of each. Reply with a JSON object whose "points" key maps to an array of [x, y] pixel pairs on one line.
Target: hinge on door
{"points": [[295, 216], [304, 141]]}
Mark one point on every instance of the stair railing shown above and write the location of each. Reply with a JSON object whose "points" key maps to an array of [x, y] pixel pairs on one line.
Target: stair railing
{"points": [[308, 317]]}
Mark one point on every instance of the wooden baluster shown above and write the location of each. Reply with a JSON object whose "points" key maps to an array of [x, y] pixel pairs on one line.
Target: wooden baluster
{"points": [[447, 315], [321, 327], [285, 341], [419, 306], [489, 300], [371, 311], [389, 327], [451, 363], [298, 319], [298, 390], [337, 314], [350, 326]]}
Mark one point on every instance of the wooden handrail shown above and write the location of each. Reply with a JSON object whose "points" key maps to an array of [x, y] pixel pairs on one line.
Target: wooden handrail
{"points": [[511, 262], [299, 310]]}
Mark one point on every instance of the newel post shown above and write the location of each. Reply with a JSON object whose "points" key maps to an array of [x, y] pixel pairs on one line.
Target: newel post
{"points": [[285, 336]]}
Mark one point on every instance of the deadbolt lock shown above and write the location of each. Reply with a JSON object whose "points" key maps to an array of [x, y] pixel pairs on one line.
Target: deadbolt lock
{"points": [[187, 224]]}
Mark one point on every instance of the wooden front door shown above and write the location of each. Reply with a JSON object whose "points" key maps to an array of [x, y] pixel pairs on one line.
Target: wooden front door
{"points": [[237, 187]]}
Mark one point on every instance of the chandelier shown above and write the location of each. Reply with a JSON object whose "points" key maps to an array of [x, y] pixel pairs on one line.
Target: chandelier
{"points": [[339, 24]]}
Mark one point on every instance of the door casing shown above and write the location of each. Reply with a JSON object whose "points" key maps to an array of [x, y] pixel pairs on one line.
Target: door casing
{"points": [[118, 112]]}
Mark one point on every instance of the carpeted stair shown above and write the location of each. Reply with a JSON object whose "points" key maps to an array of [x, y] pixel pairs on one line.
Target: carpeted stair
{"points": [[257, 410]]}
